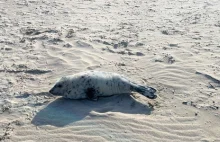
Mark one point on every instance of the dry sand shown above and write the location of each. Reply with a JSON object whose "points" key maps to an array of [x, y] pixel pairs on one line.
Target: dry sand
{"points": [[173, 46]]}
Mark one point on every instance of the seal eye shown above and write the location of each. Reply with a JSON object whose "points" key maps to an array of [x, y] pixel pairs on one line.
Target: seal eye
{"points": [[59, 86]]}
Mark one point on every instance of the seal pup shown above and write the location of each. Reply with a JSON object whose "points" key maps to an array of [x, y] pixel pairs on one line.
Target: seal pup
{"points": [[93, 84]]}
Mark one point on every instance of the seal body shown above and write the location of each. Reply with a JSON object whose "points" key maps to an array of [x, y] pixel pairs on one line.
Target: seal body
{"points": [[93, 84]]}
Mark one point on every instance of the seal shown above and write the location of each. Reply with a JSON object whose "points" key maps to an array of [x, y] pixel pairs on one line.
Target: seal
{"points": [[93, 84]]}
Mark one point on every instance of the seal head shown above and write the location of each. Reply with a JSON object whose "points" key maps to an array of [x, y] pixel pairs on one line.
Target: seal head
{"points": [[59, 87]]}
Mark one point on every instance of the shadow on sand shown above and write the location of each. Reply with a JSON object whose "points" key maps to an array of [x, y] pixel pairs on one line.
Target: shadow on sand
{"points": [[62, 111]]}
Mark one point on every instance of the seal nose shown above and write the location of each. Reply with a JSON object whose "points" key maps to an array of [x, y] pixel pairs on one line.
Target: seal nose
{"points": [[154, 97], [51, 91]]}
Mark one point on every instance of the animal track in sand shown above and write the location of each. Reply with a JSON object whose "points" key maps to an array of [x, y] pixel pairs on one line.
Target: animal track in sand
{"points": [[29, 71], [171, 31], [32, 31], [168, 59], [213, 79], [70, 33], [7, 130], [50, 35], [82, 44], [119, 44], [124, 52]]}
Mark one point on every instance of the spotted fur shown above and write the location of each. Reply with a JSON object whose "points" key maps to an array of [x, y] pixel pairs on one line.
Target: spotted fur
{"points": [[93, 84]]}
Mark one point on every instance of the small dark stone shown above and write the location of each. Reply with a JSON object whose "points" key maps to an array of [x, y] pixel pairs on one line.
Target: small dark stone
{"points": [[185, 103], [115, 46], [106, 43], [165, 32], [124, 43], [139, 54]]}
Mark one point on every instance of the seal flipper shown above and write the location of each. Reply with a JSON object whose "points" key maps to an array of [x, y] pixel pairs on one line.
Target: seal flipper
{"points": [[148, 92], [91, 94]]}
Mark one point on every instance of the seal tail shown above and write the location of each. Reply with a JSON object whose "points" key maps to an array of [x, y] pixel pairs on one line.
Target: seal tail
{"points": [[148, 92]]}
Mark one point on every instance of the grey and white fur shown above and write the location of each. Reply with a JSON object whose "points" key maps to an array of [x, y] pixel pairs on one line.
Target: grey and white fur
{"points": [[93, 84]]}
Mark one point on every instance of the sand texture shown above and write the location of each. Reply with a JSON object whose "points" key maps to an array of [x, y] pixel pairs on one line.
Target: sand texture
{"points": [[173, 46]]}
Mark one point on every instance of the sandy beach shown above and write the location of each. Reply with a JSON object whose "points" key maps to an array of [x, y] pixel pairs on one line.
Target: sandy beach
{"points": [[173, 46]]}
